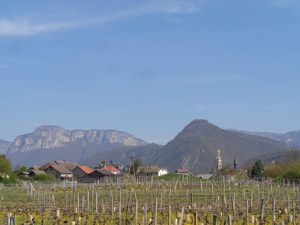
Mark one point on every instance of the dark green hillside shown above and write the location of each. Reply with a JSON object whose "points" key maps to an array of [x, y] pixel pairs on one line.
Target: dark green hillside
{"points": [[195, 147]]}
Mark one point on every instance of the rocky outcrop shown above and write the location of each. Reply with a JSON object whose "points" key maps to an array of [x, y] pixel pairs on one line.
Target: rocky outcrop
{"points": [[53, 137]]}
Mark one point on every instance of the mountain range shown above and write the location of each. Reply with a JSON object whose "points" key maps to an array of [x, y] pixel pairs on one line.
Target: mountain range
{"points": [[285, 157], [193, 148], [291, 138], [48, 143], [48, 137]]}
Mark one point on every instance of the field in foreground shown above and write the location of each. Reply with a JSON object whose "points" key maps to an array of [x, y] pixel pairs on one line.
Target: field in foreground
{"points": [[152, 202]]}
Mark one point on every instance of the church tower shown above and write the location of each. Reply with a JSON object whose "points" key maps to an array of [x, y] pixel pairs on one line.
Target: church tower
{"points": [[219, 163]]}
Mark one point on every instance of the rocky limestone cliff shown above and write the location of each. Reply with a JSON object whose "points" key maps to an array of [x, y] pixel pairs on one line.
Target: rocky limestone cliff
{"points": [[51, 137]]}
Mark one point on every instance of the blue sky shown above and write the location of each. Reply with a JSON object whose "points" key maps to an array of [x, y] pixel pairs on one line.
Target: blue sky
{"points": [[149, 67]]}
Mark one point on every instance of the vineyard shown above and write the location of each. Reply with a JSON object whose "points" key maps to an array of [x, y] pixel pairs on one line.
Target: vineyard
{"points": [[151, 202]]}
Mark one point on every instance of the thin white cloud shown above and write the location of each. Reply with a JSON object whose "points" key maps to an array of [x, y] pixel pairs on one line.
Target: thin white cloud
{"points": [[27, 27], [24, 27]]}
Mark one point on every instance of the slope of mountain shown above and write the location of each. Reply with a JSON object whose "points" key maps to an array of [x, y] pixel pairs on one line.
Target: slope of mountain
{"points": [[146, 153], [51, 137], [291, 138], [74, 152], [195, 147], [4, 145], [48, 143], [281, 157]]}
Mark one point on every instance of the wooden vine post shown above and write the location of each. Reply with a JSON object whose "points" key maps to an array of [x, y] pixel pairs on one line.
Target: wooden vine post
{"points": [[262, 211]]}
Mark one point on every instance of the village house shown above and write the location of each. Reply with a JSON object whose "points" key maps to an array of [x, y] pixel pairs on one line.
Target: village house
{"points": [[81, 171], [61, 169], [59, 172], [107, 172], [185, 172], [66, 170], [152, 171], [111, 164], [67, 164], [114, 168], [100, 173], [111, 169]]}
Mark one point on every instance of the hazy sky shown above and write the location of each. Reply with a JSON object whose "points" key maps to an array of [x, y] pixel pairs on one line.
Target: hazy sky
{"points": [[149, 67]]}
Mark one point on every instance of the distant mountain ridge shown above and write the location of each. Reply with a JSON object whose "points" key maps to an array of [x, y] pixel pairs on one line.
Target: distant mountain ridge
{"points": [[292, 138], [48, 143], [196, 145], [51, 137]]}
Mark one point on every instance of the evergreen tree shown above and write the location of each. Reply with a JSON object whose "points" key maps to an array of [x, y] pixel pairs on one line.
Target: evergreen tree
{"points": [[257, 169]]}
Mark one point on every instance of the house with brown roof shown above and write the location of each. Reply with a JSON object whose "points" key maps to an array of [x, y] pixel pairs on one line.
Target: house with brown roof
{"points": [[183, 172], [60, 172], [61, 169], [64, 163], [67, 164], [152, 171], [99, 173]]}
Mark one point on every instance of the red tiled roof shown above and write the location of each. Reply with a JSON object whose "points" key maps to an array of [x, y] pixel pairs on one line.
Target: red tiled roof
{"points": [[86, 169], [105, 171], [112, 169]]}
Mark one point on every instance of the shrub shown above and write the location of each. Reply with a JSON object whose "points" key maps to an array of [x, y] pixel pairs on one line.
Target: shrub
{"points": [[274, 170], [6, 174], [44, 177], [289, 171]]}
